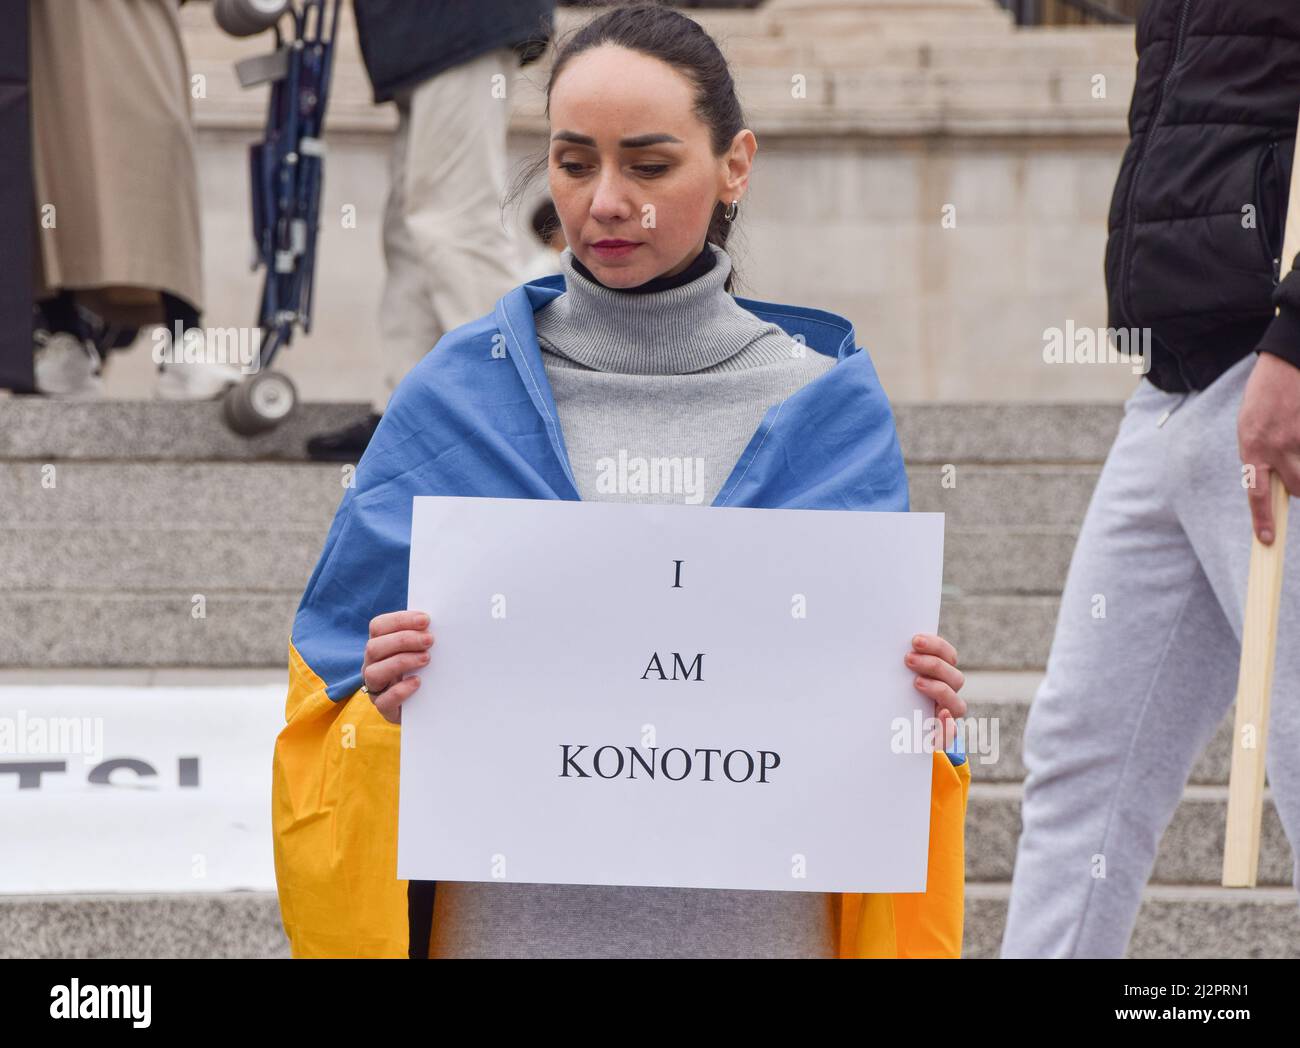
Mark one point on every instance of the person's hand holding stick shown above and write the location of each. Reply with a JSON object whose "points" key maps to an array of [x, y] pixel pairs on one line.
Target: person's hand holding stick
{"points": [[1268, 433]]}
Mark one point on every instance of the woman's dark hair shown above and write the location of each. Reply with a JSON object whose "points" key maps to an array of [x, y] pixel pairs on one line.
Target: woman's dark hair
{"points": [[672, 37], [545, 221]]}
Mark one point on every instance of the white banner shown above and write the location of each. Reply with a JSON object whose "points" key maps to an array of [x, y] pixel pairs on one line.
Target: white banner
{"points": [[668, 695], [137, 789]]}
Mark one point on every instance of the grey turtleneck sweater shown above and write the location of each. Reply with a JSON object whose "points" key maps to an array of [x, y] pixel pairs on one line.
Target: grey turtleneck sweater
{"points": [[658, 394]]}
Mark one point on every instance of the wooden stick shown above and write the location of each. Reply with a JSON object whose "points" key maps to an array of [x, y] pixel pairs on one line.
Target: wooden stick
{"points": [[1254, 686], [1258, 645]]}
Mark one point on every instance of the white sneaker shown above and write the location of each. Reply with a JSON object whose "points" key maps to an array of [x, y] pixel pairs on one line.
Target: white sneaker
{"points": [[66, 366], [195, 380]]}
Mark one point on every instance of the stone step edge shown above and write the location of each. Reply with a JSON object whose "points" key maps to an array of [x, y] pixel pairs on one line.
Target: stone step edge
{"points": [[149, 431], [975, 890], [1275, 895]]}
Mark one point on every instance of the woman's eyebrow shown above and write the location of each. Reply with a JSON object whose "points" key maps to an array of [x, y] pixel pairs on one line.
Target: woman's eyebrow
{"points": [[636, 142]]}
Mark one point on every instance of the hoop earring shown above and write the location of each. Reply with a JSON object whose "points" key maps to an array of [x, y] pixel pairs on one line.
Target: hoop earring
{"points": [[731, 211]]}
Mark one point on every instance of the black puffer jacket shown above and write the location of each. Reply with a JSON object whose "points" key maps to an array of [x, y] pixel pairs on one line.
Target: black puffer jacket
{"points": [[1213, 122], [405, 42]]}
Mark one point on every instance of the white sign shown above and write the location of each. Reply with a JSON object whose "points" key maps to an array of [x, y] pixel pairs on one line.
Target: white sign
{"points": [[137, 789], [667, 695]]}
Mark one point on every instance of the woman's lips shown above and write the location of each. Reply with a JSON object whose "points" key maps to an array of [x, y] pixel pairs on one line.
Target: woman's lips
{"points": [[610, 251]]}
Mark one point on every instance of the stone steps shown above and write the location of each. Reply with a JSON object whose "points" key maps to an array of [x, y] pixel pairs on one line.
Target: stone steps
{"points": [[224, 925], [198, 557], [1174, 921], [1191, 852], [983, 498], [871, 18], [77, 627], [1006, 697], [203, 558], [155, 503], [161, 431], [126, 511], [905, 67]]}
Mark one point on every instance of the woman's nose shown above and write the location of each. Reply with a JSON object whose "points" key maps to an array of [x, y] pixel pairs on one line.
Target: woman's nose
{"points": [[610, 201]]}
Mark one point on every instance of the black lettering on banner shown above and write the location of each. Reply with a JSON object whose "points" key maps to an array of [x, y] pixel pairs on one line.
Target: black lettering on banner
{"points": [[609, 761], [654, 665], [564, 766], [706, 762], [29, 772], [685, 772], [101, 774], [726, 765], [636, 756], [696, 667], [595, 763]]}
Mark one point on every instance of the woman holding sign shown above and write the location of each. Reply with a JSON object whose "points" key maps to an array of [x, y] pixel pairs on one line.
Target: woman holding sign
{"points": [[635, 375]]}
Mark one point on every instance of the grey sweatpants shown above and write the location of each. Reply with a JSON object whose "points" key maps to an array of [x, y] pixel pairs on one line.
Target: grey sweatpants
{"points": [[1143, 668]]}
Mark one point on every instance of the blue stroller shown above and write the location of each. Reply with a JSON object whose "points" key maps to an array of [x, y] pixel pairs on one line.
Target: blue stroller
{"points": [[286, 171]]}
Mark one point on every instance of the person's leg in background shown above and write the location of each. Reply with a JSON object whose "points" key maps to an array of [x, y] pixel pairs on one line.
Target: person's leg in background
{"points": [[447, 256], [1211, 503], [1140, 674], [127, 203], [66, 362], [180, 378], [456, 178], [408, 325]]}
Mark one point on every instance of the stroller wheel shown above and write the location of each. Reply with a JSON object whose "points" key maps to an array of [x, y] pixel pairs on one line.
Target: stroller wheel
{"points": [[259, 404], [246, 17]]}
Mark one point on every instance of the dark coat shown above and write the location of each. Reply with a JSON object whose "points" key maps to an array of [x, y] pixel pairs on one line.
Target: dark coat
{"points": [[17, 201], [1213, 122], [405, 42]]}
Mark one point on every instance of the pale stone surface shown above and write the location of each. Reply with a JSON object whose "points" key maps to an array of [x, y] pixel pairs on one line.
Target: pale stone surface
{"points": [[1175, 921], [1196, 922], [1191, 851]]}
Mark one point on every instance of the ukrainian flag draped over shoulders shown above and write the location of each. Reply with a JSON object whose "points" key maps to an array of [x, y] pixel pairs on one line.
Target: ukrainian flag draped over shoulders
{"points": [[476, 417]]}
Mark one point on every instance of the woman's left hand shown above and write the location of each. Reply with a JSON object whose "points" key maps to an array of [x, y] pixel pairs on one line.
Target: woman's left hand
{"points": [[934, 661]]}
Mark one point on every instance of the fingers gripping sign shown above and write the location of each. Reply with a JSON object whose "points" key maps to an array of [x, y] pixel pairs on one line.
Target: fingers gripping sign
{"points": [[399, 644], [934, 661]]}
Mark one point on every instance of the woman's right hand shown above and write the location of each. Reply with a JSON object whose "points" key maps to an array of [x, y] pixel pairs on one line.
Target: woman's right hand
{"points": [[399, 644]]}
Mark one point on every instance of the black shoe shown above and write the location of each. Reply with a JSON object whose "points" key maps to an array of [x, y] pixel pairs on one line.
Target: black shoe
{"points": [[343, 445]]}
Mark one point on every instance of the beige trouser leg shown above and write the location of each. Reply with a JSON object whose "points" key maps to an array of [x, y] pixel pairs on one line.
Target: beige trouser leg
{"points": [[448, 253]]}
